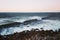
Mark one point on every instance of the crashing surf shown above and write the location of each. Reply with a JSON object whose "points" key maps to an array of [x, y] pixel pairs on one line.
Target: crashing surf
{"points": [[27, 23]]}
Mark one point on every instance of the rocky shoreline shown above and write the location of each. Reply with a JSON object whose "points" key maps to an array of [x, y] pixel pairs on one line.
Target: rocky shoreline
{"points": [[34, 34]]}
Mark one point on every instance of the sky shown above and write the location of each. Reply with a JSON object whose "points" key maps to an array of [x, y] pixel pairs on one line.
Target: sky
{"points": [[29, 5]]}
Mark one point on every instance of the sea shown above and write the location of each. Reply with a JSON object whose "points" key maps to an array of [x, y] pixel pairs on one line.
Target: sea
{"points": [[28, 21]]}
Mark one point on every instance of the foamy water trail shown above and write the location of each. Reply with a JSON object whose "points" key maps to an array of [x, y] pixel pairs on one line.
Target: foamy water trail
{"points": [[22, 19], [45, 24]]}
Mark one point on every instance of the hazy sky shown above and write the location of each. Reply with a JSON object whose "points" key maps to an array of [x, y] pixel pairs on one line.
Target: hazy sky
{"points": [[29, 5]]}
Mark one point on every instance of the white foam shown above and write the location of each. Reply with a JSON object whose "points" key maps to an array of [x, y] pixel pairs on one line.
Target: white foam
{"points": [[22, 19], [46, 25]]}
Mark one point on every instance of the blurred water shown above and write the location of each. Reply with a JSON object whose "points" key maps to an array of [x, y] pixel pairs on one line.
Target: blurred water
{"points": [[45, 24]]}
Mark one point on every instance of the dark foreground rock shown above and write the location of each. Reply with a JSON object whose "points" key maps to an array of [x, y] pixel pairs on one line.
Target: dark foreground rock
{"points": [[34, 34]]}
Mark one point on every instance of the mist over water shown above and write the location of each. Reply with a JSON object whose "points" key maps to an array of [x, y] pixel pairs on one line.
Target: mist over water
{"points": [[45, 21]]}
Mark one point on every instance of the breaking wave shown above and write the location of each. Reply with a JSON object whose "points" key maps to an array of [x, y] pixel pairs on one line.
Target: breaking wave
{"points": [[39, 23]]}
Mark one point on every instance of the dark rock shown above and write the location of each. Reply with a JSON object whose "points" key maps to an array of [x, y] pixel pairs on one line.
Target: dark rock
{"points": [[33, 35]]}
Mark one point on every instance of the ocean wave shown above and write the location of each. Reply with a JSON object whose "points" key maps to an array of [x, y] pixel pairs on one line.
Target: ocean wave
{"points": [[45, 24], [24, 18]]}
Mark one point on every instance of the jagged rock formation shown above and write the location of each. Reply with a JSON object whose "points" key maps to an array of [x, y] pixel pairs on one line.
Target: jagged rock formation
{"points": [[34, 34]]}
